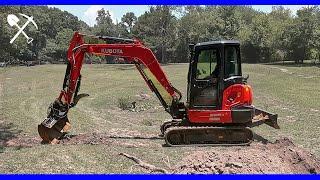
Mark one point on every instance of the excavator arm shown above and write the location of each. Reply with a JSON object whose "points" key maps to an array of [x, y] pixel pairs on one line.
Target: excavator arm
{"points": [[133, 51]]}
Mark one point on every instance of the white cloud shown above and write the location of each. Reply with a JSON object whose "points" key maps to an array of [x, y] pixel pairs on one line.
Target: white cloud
{"points": [[268, 8], [295, 8], [91, 13], [114, 19]]}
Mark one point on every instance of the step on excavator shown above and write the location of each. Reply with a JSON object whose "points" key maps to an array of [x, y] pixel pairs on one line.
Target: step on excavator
{"points": [[218, 109]]}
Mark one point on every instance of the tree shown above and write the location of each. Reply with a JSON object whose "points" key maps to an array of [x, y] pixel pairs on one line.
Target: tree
{"points": [[230, 27], [279, 20], [259, 39], [128, 20], [104, 24], [168, 30], [300, 33], [157, 28]]}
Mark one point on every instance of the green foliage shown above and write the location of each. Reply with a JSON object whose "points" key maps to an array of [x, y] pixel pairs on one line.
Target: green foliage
{"points": [[168, 30], [104, 24], [302, 34], [129, 20], [50, 40], [124, 103], [157, 28]]}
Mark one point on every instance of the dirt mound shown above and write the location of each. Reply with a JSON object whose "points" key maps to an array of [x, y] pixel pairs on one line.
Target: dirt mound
{"points": [[281, 156]]}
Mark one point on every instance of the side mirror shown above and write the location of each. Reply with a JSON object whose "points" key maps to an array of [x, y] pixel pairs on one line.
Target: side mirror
{"points": [[246, 77]]}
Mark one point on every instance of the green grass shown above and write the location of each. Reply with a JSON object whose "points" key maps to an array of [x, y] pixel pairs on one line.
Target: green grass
{"points": [[292, 92]]}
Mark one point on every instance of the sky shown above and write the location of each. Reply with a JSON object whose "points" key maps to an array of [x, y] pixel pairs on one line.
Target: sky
{"points": [[88, 13]]}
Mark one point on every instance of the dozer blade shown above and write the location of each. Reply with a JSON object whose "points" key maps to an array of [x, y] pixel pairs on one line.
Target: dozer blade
{"points": [[53, 134], [208, 136], [263, 117]]}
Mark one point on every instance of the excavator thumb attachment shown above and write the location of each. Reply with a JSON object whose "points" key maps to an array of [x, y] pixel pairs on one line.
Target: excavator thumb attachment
{"points": [[78, 97], [56, 124]]}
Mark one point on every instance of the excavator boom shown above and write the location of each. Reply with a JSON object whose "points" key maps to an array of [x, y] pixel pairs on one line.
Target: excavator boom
{"points": [[133, 51]]}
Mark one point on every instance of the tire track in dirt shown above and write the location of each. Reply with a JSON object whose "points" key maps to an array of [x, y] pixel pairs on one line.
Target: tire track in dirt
{"points": [[293, 73], [119, 118]]}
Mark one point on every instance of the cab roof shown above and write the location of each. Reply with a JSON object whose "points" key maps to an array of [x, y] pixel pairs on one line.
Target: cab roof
{"points": [[218, 42]]}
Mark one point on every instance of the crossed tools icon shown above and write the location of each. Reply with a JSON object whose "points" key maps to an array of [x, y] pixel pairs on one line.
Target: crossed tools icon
{"points": [[13, 21]]}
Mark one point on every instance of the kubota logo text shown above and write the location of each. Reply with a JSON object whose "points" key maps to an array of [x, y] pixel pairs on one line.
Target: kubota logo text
{"points": [[112, 51]]}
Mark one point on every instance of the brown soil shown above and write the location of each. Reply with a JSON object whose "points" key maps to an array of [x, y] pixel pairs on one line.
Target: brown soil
{"points": [[282, 156]]}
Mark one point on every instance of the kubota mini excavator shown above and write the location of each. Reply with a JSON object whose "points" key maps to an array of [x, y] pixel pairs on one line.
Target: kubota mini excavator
{"points": [[219, 106]]}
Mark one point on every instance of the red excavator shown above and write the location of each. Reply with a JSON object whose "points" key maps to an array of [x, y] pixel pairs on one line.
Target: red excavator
{"points": [[219, 106]]}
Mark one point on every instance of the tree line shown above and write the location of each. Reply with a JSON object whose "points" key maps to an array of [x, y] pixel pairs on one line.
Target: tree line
{"points": [[168, 30]]}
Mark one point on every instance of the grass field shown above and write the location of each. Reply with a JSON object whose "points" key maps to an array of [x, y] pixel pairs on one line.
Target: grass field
{"points": [[26, 92]]}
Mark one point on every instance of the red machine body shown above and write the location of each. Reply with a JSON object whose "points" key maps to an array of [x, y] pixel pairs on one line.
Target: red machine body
{"points": [[234, 95]]}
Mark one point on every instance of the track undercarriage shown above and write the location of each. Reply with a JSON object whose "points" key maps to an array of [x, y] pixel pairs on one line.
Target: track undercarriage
{"points": [[182, 133], [208, 136]]}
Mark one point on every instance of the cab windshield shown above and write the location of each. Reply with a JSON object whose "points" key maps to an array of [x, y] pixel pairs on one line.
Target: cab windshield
{"points": [[207, 64]]}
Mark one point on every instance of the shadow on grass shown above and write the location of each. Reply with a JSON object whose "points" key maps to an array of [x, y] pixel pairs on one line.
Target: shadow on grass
{"points": [[293, 64], [123, 67], [260, 139], [117, 67], [7, 132], [70, 136]]}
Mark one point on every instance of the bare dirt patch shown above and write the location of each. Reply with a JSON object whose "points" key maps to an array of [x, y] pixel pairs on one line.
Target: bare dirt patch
{"points": [[282, 156]]}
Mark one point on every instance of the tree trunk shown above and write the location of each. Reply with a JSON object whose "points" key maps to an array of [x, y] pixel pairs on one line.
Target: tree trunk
{"points": [[163, 54]]}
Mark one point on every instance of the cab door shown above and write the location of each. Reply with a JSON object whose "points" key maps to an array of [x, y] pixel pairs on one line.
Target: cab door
{"points": [[205, 78]]}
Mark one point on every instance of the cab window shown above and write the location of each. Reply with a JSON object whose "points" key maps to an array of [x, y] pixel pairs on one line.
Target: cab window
{"points": [[207, 61], [232, 64]]}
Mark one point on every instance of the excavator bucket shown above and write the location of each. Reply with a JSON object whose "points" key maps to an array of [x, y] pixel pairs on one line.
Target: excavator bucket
{"points": [[56, 124], [52, 135]]}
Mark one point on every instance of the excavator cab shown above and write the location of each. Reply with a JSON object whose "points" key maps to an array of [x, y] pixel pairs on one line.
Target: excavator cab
{"points": [[211, 63], [219, 102]]}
